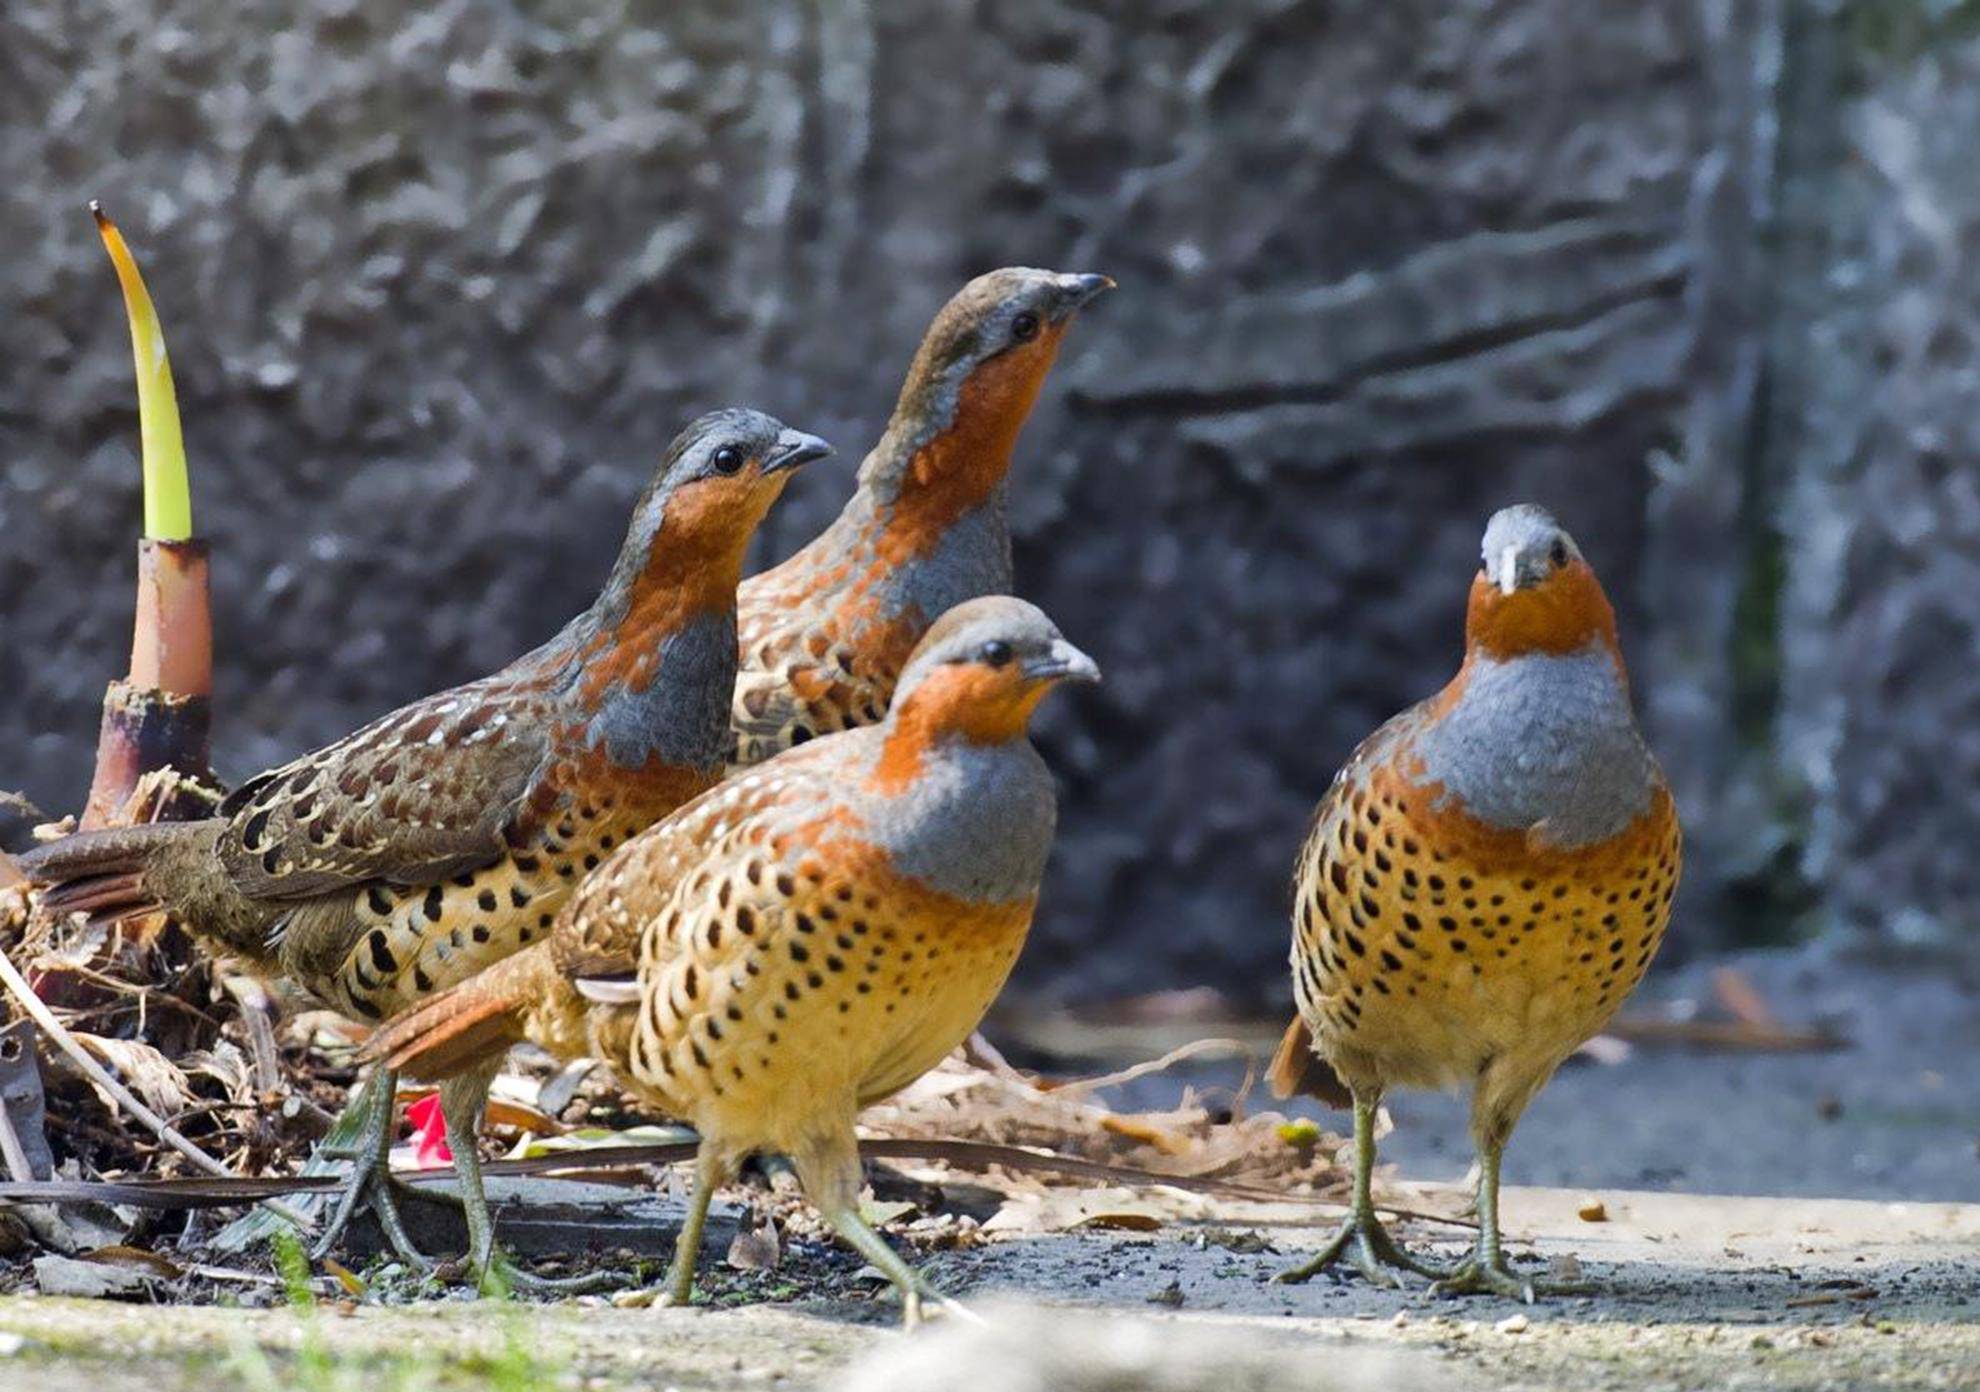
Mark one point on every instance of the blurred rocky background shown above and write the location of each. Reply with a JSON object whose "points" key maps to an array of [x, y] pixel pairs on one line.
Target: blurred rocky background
{"points": [[439, 281]]}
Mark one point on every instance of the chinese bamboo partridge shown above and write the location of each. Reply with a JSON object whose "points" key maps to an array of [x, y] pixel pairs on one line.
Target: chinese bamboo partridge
{"points": [[806, 939], [441, 838], [825, 634], [1486, 880]]}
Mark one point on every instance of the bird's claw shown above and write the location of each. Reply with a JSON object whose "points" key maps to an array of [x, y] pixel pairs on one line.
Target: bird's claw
{"points": [[501, 1278], [1363, 1241], [916, 1300], [1496, 1277]]}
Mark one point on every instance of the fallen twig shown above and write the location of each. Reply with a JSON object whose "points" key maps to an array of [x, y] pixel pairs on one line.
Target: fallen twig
{"points": [[1193, 1049], [1728, 1035]]}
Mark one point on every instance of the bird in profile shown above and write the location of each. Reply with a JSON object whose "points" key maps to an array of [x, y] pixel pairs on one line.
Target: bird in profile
{"points": [[826, 633], [806, 939], [1484, 883], [444, 836]]}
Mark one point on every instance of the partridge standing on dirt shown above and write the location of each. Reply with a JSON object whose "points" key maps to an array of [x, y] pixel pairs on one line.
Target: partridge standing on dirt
{"points": [[804, 940], [1485, 882], [441, 838], [825, 634]]}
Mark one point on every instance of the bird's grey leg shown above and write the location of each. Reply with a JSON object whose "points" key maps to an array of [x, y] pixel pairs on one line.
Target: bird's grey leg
{"points": [[1362, 1239]]}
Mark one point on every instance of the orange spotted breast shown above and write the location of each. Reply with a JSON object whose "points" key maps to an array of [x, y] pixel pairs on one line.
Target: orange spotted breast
{"points": [[1491, 873]]}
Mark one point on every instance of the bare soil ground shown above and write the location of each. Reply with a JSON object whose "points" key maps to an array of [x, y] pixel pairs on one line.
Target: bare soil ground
{"points": [[1693, 1292]]}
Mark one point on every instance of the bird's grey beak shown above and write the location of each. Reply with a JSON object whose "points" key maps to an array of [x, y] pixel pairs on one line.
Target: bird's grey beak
{"points": [[793, 450], [1076, 291], [1508, 576], [1062, 662]]}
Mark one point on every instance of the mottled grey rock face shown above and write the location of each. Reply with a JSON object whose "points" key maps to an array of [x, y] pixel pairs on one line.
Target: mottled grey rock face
{"points": [[440, 284], [1881, 479]]}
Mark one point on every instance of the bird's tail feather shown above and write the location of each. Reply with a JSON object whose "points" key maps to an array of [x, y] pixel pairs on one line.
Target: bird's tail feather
{"points": [[467, 1024], [102, 873], [1296, 1069]]}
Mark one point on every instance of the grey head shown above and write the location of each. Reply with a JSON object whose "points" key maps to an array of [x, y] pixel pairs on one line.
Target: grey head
{"points": [[1015, 311], [1523, 546], [713, 485], [660, 641], [973, 814], [1002, 635], [1541, 735]]}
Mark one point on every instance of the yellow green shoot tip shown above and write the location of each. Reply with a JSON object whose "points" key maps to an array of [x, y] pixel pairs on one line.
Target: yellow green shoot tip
{"points": [[167, 495]]}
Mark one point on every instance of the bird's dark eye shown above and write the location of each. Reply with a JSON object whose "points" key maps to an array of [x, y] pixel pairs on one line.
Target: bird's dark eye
{"points": [[728, 459], [1559, 554], [995, 653], [1024, 328]]}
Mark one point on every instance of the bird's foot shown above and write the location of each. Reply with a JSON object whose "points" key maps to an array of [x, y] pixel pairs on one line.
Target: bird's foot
{"points": [[917, 1298], [372, 1185], [1496, 1277], [1363, 1241], [499, 1278]]}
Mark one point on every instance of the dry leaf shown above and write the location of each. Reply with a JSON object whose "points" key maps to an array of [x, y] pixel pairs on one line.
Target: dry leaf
{"points": [[134, 1259], [756, 1249], [1135, 1129], [153, 1077], [1126, 1222], [352, 1283]]}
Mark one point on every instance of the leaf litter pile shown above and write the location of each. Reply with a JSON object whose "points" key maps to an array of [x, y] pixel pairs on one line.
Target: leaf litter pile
{"points": [[254, 1076]]}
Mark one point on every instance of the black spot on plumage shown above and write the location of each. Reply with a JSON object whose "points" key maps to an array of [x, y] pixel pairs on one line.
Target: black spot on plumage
{"points": [[487, 900], [436, 898], [381, 953], [803, 924], [420, 979], [745, 920], [378, 900], [1391, 961], [366, 1008], [481, 933], [271, 860], [800, 953], [251, 833]]}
